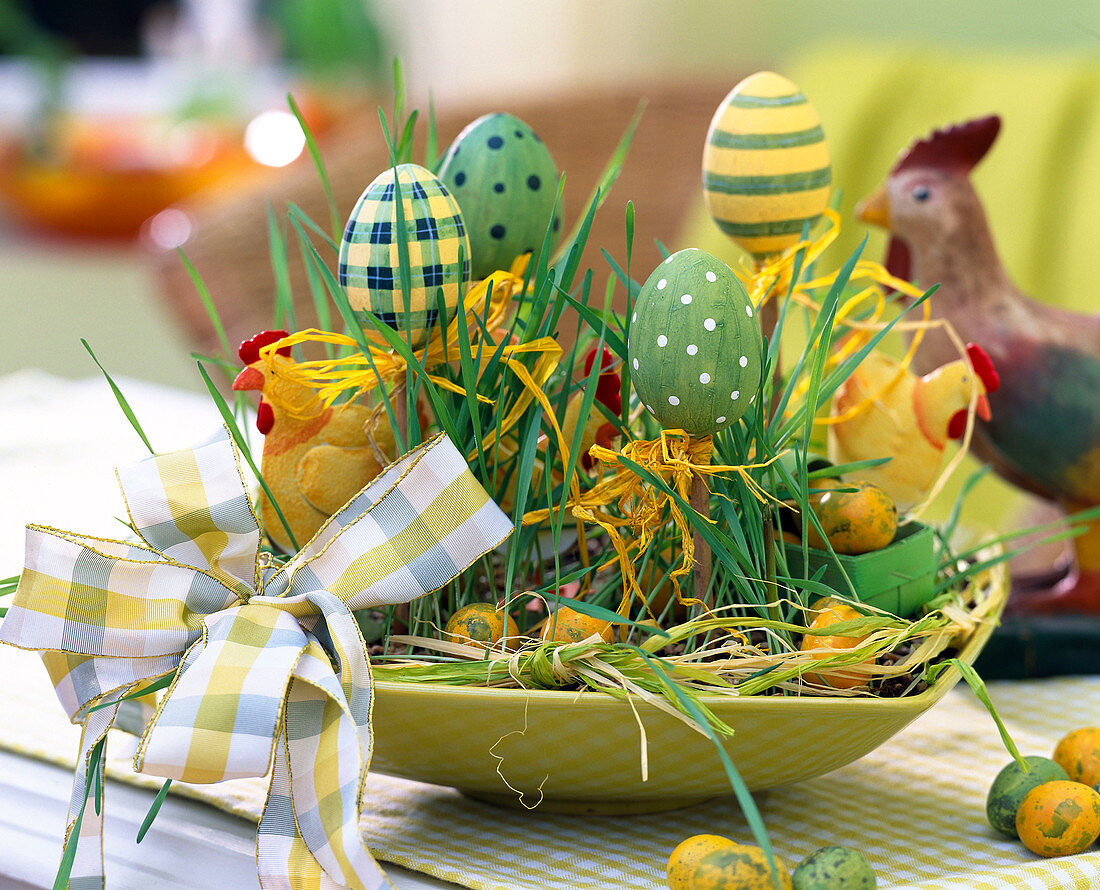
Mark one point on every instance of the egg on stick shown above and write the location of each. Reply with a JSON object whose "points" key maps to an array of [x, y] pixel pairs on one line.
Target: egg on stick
{"points": [[695, 355], [766, 171], [438, 255]]}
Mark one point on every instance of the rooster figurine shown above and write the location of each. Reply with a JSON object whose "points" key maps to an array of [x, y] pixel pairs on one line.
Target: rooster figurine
{"points": [[315, 458], [1044, 435], [910, 419]]}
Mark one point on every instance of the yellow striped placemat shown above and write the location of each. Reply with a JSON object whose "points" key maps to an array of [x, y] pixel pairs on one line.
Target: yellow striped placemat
{"points": [[915, 807]]}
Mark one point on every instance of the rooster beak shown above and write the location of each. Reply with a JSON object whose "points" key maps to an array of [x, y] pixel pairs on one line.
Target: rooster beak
{"points": [[249, 378], [875, 209]]}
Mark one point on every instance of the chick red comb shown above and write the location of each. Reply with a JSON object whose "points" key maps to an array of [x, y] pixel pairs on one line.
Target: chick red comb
{"points": [[606, 360], [955, 149], [608, 383], [983, 367], [249, 350]]}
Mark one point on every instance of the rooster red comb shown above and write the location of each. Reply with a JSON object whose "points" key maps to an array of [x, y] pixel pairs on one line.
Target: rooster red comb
{"points": [[249, 350], [956, 149]]}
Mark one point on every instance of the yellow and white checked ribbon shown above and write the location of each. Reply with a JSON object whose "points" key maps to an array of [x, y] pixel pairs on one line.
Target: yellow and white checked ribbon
{"points": [[271, 671]]}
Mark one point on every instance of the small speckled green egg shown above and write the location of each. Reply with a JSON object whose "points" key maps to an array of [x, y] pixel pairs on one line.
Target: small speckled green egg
{"points": [[694, 347], [505, 181], [834, 868], [436, 236]]}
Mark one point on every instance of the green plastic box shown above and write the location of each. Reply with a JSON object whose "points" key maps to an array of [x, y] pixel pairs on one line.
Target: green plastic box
{"points": [[899, 578]]}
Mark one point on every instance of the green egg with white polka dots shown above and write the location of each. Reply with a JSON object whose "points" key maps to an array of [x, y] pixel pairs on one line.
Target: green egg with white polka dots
{"points": [[505, 181], [695, 345]]}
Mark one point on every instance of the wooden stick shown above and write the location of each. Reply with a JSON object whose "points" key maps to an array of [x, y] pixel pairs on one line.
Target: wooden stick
{"points": [[700, 503], [768, 314]]}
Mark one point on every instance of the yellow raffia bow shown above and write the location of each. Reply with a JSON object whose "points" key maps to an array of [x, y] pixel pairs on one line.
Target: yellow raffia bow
{"points": [[677, 458], [671, 457], [484, 310], [771, 280], [773, 277]]}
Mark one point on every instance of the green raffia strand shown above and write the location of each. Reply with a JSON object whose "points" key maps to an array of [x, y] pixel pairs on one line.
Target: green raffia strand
{"points": [[158, 802], [120, 398], [246, 452], [978, 687], [207, 303], [319, 164], [65, 867]]}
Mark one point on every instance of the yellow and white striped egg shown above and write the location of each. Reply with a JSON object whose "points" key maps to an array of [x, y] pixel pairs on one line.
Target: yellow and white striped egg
{"points": [[766, 167]]}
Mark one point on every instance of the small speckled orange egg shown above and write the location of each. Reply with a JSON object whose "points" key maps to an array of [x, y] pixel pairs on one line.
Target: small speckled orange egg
{"points": [[1059, 818]]}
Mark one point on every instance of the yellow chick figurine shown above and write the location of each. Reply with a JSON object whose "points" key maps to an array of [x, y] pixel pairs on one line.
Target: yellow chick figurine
{"points": [[315, 459], [909, 421]]}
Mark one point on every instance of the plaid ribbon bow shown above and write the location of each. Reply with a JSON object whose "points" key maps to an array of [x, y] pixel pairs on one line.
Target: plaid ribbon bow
{"points": [[271, 671]]}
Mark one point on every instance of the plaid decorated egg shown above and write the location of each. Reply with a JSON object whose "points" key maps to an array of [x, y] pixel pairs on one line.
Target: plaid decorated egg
{"points": [[694, 346], [439, 252], [766, 169], [505, 181]]}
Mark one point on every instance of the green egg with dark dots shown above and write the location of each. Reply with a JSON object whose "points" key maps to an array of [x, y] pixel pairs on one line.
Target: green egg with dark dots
{"points": [[834, 868], [694, 347], [505, 181], [1011, 787]]}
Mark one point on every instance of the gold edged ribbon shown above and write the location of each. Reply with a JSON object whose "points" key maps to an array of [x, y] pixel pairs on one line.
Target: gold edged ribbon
{"points": [[270, 671]]}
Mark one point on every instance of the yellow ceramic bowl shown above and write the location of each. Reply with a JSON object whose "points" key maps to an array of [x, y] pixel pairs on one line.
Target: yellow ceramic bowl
{"points": [[581, 752]]}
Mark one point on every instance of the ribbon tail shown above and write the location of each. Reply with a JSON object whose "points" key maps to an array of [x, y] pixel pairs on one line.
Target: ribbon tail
{"points": [[308, 835], [283, 859], [84, 820]]}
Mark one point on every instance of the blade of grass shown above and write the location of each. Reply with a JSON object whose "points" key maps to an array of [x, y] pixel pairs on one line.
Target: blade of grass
{"points": [[319, 164], [405, 143], [155, 686], [120, 398], [208, 304], [294, 212], [594, 611], [432, 158], [528, 447], [65, 867], [607, 179], [979, 689], [158, 801], [740, 789], [284, 299]]}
